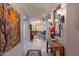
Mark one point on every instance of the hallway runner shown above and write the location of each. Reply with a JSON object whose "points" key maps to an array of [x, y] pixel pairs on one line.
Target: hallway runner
{"points": [[33, 53]]}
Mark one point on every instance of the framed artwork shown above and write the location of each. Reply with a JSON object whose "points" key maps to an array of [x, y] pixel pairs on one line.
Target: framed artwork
{"points": [[59, 19], [9, 27]]}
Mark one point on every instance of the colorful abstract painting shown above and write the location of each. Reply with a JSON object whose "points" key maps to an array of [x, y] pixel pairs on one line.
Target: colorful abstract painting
{"points": [[9, 27]]}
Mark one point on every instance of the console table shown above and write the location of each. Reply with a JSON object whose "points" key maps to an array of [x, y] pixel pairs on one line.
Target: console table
{"points": [[55, 46]]}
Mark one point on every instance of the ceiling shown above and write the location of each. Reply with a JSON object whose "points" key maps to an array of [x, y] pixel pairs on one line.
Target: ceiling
{"points": [[35, 9]]}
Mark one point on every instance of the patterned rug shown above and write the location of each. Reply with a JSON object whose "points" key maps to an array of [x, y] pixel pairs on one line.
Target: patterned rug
{"points": [[33, 53]]}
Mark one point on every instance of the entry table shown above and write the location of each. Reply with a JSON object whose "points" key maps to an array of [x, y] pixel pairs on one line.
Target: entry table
{"points": [[55, 46]]}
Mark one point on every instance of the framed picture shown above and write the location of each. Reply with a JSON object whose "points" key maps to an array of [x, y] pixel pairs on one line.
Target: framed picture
{"points": [[59, 19], [9, 28]]}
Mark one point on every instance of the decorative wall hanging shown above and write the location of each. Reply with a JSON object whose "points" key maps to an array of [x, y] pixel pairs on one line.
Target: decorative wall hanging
{"points": [[9, 27], [59, 19]]}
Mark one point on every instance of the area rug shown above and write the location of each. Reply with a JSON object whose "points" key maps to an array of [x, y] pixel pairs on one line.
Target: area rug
{"points": [[33, 53]]}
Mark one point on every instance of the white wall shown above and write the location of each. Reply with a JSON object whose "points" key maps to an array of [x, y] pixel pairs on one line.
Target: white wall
{"points": [[70, 35], [72, 29]]}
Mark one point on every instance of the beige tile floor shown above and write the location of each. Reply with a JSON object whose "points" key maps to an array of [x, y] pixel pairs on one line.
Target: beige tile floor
{"points": [[38, 44]]}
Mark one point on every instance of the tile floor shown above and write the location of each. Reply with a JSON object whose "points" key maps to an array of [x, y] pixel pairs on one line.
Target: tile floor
{"points": [[38, 44]]}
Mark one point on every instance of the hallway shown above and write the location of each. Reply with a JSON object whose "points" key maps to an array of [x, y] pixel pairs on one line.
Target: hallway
{"points": [[38, 43], [35, 26]]}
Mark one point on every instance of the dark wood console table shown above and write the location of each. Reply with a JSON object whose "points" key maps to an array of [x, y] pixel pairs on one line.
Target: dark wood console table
{"points": [[55, 46]]}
